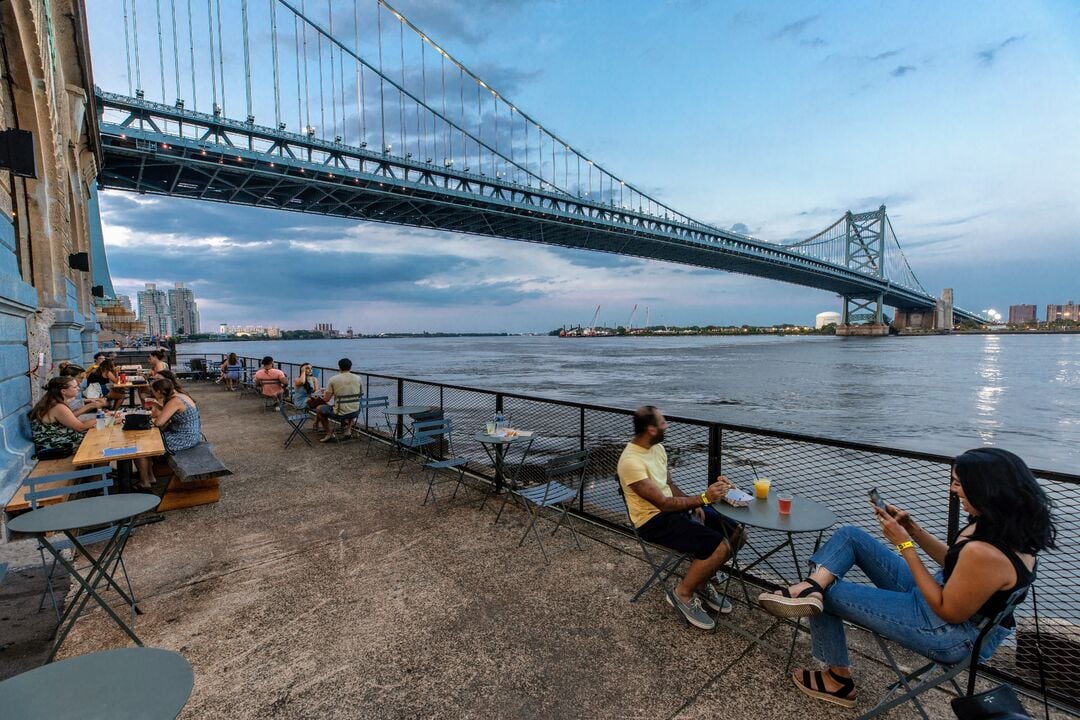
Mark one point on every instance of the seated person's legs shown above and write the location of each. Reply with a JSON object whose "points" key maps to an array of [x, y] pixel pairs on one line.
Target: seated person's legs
{"points": [[705, 542], [146, 473]]}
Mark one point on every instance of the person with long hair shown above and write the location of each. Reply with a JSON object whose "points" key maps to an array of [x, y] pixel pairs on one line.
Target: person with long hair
{"points": [[53, 425], [230, 372], [108, 376], [177, 416], [305, 387], [935, 614], [81, 405]]}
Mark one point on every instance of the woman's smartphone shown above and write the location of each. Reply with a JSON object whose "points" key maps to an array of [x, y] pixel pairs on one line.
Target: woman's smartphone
{"points": [[875, 498]]}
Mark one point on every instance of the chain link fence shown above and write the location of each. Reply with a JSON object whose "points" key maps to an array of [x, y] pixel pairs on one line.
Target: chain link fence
{"points": [[835, 473]]}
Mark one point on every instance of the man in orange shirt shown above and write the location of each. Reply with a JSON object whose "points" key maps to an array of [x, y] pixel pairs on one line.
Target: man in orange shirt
{"points": [[270, 381]]}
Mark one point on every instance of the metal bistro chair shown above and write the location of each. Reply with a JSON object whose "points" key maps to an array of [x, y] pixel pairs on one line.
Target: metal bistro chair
{"points": [[95, 478], [564, 475], [345, 421], [935, 673], [296, 422], [367, 404], [426, 436], [448, 462], [663, 561]]}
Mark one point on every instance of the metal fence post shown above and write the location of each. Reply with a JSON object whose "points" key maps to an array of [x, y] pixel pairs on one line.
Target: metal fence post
{"points": [[399, 432], [581, 494], [716, 443]]}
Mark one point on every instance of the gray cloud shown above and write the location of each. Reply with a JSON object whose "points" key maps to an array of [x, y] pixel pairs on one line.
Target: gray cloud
{"points": [[884, 55], [740, 228], [796, 28], [986, 58], [902, 70]]}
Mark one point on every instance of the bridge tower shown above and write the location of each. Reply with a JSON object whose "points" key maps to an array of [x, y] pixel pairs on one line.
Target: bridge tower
{"points": [[864, 252]]}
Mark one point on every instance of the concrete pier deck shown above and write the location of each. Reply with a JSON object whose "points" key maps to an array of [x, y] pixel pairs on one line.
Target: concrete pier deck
{"points": [[320, 587]]}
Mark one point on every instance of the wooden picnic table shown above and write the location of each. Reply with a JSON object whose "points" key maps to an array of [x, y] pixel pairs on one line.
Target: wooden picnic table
{"points": [[145, 443]]}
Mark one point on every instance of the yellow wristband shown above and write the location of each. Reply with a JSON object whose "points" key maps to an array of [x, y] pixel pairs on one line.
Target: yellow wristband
{"points": [[704, 499], [904, 546]]}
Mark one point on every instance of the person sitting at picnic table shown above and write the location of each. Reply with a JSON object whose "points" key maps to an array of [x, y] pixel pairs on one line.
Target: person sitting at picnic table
{"points": [[98, 357], [343, 385], [935, 614], [107, 376], [176, 414], [305, 388], [663, 514], [230, 372], [80, 405], [270, 381], [55, 429], [157, 362]]}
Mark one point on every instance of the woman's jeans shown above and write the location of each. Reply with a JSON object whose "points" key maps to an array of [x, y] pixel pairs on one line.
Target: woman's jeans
{"points": [[892, 607]]}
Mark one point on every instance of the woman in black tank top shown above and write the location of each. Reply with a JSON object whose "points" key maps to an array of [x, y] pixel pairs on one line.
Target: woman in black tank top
{"points": [[937, 614]]}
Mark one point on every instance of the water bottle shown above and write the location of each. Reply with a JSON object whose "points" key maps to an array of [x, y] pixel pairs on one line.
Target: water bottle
{"points": [[99, 421], [499, 422]]}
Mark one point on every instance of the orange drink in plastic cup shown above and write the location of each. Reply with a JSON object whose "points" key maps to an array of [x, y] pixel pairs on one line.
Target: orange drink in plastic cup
{"points": [[761, 488]]}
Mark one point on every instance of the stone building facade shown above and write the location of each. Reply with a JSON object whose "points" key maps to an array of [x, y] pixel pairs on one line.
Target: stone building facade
{"points": [[46, 309]]}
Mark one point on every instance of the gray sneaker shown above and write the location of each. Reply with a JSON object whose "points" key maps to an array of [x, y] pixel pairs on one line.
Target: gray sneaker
{"points": [[714, 599], [692, 611]]}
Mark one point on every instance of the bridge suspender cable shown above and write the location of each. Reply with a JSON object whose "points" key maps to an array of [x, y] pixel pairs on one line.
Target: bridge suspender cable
{"points": [[127, 50], [160, 48], [247, 59], [213, 74], [176, 50], [191, 49], [274, 46]]}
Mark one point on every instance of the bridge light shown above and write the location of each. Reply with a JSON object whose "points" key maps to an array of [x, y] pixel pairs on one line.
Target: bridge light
{"points": [[217, 110], [387, 148], [139, 95], [337, 138], [179, 104], [281, 126], [250, 119]]}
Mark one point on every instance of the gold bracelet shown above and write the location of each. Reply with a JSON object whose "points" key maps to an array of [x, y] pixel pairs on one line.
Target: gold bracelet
{"points": [[705, 499], [907, 544]]}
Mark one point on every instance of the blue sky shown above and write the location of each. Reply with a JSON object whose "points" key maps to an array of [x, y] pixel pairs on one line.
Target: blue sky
{"points": [[768, 118]]}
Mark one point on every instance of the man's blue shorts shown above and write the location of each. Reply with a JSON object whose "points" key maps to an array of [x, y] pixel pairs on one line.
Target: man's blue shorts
{"points": [[683, 532]]}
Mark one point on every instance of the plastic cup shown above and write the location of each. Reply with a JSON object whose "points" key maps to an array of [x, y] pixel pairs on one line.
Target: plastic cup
{"points": [[123, 378], [490, 428], [761, 488], [783, 504], [148, 404]]}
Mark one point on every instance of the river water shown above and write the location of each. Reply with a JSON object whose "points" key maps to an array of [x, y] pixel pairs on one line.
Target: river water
{"points": [[941, 394]]}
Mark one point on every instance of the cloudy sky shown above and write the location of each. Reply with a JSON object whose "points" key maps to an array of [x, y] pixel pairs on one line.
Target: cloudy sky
{"points": [[768, 118]]}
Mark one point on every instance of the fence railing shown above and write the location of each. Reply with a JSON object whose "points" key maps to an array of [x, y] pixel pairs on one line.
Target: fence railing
{"points": [[834, 472]]}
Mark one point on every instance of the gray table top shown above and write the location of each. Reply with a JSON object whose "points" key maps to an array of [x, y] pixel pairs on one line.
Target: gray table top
{"points": [[498, 439], [806, 515], [406, 409], [84, 512], [122, 684]]}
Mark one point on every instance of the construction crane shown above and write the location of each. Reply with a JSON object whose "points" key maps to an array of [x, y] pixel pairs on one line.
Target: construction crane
{"points": [[630, 322], [591, 330]]}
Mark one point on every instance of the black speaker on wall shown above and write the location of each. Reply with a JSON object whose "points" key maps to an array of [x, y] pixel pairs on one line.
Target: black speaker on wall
{"points": [[79, 261], [17, 152]]}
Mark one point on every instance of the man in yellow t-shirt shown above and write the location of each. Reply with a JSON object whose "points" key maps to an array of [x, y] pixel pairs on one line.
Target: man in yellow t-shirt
{"points": [[664, 515]]}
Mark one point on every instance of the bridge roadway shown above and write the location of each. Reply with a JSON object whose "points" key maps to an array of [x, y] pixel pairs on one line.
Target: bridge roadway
{"points": [[153, 148]]}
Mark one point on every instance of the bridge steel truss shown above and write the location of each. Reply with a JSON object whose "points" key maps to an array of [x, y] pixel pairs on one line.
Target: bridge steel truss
{"points": [[159, 149]]}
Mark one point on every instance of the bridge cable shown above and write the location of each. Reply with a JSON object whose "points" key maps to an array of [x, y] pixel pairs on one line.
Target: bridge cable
{"points": [[401, 94], [277, 79], [175, 48], [322, 95], [333, 75], [461, 103], [247, 58], [160, 49], [423, 93], [307, 83], [221, 55], [135, 37], [191, 49], [421, 118], [382, 87], [361, 98], [213, 74], [448, 147], [299, 105], [127, 50]]}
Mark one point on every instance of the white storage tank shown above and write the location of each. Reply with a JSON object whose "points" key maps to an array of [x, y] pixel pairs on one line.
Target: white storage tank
{"points": [[826, 318]]}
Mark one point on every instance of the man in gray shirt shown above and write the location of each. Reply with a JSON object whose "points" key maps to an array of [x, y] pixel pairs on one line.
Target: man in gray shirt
{"points": [[342, 396]]}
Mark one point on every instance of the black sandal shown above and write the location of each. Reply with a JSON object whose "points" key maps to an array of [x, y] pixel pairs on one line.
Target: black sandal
{"points": [[785, 605], [813, 684]]}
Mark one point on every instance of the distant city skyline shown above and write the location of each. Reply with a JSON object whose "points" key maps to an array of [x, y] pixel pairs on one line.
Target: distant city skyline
{"points": [[760, 118]]}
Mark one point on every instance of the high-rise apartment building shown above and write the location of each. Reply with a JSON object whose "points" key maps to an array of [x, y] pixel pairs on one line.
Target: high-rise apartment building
{"points": [[183, 310], [154, 311], [124, 301], [1021, 314], [1068, 311]]}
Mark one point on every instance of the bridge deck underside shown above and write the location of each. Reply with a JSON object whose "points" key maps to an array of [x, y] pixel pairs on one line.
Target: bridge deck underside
{"points": [[284, 187]]}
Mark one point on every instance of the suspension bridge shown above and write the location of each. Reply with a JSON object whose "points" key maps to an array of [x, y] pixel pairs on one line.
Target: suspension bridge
{"points": [[348, 109]]}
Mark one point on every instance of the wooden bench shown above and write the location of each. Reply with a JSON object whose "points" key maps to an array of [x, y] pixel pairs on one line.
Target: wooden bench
{"points": [[194, 478]]}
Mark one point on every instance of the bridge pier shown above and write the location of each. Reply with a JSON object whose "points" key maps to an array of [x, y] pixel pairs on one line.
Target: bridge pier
{"points": [[939, 318], [867, 330]]}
